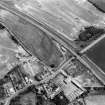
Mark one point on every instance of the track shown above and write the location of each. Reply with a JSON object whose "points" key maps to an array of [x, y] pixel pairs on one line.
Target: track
{"points": [[55, 35]]}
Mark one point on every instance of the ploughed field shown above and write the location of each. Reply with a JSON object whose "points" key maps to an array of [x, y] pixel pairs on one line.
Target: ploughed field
{"points": [[97, 54], [99, 4]]}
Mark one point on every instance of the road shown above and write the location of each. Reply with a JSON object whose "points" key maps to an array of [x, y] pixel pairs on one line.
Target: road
{"points": [[55, 35]]}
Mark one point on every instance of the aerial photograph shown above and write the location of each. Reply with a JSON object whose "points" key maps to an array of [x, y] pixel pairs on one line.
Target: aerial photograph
{"points": [[52, 52]]}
